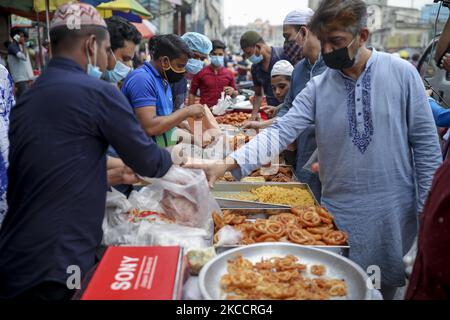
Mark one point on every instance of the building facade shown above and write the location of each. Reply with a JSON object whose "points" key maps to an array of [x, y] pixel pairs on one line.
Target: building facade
{"points": [[272, 34], [181, 16]]}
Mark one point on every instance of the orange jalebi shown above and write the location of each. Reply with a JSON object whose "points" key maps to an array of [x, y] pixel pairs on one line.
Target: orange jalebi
{"points": [[309, 218], [299, 236], [278, 278], [335, 238]]}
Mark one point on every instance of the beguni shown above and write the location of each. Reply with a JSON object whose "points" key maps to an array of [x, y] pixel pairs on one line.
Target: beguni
{"points": [[193, 310]]}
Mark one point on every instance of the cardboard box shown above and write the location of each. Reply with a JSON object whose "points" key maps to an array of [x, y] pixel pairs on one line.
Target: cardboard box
{"points": [[138, 273]]}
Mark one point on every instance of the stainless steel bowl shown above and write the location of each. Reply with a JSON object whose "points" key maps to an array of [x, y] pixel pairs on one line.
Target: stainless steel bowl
{"points": [[337, 267]]}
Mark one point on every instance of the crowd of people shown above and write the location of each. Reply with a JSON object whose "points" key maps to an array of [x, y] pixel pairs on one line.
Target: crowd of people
{"points": [[92, 120]]}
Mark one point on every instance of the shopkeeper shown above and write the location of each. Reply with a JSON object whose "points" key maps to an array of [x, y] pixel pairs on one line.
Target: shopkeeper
{"points": [[214, 79], [263, 58], [148, 90], [60, 131]]}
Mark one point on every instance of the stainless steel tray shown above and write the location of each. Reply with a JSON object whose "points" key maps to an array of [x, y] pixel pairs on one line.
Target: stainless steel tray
{"points": [[337, 267], [265, 214], [222, 189]]}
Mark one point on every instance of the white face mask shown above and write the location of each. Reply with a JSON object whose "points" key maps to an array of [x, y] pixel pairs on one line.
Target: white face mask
{"points": [[119, 72], [93, 70]]}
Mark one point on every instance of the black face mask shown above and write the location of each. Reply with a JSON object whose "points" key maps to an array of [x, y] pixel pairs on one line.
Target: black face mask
{"points": [[339, 59], [172, 76]]}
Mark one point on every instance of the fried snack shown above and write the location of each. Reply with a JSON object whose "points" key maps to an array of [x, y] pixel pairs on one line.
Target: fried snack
{"points": [[282, 227], [239, 141], [318, 270], [335, 238], [218, 222], [320, 229], [233, 219], [325, 216], [284, 175], [234, 119], [300, 236], [309, 218], [285, 196], [285, 218], [277, 278]]}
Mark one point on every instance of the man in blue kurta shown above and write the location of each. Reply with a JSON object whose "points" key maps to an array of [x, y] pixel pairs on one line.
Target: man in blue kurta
{"points": [[377, 142], [60, 131]]}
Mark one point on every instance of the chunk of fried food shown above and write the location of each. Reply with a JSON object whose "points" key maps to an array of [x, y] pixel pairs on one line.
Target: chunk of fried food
{"points": [[280, 278]]}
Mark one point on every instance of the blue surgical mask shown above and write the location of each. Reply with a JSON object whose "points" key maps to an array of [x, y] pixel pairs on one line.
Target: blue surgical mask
{"points": [[217, 61], [256, 59], [120, 72], [194, 66], [93, 70]]}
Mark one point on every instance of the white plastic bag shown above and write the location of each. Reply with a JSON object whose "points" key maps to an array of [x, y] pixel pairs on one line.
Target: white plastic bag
{"points": [[161, 234], [223, 105], [116, 206], [186, 197], [228, 236]]}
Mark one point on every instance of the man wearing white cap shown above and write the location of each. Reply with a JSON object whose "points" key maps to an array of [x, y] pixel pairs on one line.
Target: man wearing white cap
{"points": [[281, 81], [60, 131], [310, 66], [292, 24]]}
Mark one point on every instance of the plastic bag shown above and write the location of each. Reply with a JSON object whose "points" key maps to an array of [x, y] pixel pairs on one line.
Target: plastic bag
{"points": [[410, 259], [223, 105], [228, 236], [182, 195], [186, 197], [314, 159], [161, 234], [116, 205]]}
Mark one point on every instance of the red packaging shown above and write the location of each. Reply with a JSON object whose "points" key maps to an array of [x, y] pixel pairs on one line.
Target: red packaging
{"points": [[138, 273]]}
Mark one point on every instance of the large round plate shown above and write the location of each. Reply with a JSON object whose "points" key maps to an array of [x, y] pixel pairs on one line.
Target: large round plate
{"points": [[337, 267]]}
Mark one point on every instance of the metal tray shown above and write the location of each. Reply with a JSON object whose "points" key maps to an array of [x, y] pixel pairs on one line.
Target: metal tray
{"points": [[265, 214], [337, 267], [222, 189]]}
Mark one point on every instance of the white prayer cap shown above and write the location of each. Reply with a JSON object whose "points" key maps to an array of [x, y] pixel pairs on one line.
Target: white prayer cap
{"points": [[282, 68], [299, 17]]}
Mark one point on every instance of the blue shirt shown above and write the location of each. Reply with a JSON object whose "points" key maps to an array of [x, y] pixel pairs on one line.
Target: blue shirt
{"points": [[263, 78], [145, 87], [441, 115], [378, 150], [60, 131]]}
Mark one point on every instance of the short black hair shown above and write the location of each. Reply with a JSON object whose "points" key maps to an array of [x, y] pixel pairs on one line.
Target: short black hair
{"points": [[169, 45], [217, 44], [62, 35], [120, 30], [15, 31]]}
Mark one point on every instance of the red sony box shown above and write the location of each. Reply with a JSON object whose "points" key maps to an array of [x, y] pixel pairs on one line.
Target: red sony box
{"points": [[138, 273]]}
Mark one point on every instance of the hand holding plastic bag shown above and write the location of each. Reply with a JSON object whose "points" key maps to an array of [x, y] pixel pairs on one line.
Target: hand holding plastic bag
{"points": [[186, 197], [223, 105]]}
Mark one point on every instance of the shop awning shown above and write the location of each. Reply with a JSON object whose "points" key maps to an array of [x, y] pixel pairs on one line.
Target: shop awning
{"points": [[130, 6], [143, 30]]}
